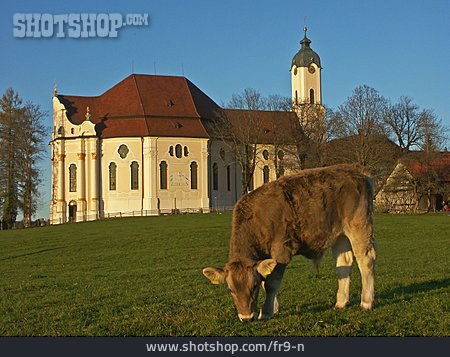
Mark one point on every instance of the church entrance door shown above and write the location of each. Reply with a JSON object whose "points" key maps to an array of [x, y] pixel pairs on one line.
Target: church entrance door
{"points": [[72, 211]]}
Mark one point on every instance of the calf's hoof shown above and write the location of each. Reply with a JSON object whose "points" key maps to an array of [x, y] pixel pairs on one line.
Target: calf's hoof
{"points": [[263, 316], [341, 305], [366, 306]]}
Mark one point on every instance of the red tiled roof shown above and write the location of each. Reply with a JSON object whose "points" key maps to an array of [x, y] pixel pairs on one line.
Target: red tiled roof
{"points": [[146, 105], [440, 164]]}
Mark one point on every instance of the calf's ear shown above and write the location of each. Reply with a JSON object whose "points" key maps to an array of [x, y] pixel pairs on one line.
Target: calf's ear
{"points": [[266, 267], [215, 275]]}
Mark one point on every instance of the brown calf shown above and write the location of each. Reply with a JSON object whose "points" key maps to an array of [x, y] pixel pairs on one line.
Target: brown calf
{"points": [[305, 214]]}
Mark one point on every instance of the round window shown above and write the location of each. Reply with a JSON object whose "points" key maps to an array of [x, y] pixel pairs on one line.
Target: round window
{"points": [[123, 151]]}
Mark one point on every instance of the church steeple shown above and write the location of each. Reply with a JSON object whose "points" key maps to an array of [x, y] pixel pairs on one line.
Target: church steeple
{"points": [[305, 74], [305, 42]]}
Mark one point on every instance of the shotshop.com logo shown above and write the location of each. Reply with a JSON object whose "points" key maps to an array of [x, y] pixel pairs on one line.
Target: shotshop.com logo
{"points": [[74, 25]]}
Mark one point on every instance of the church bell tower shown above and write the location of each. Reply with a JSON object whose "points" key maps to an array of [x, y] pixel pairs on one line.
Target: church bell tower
{"points": [[305, 74]]}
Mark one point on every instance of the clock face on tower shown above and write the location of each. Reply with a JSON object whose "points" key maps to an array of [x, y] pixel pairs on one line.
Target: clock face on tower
{"points": [[311, 69]]}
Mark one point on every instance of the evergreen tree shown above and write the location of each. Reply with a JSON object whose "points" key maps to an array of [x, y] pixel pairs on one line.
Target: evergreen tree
{"points": [[22, 134], [10, 110], [30, 148]]}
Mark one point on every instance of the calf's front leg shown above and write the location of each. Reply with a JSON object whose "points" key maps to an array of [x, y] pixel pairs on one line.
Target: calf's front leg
{"points": [[271, 286]]}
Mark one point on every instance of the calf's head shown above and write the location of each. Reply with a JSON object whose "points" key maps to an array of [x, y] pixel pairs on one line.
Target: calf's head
{"points": [[243, 280]]}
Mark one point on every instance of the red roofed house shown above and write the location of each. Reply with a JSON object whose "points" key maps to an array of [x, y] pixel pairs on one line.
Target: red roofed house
{"points": [[416, 184], [145, 146]]}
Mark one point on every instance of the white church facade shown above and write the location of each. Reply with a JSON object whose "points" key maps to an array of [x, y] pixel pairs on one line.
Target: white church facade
{"points": [[147, 146]]}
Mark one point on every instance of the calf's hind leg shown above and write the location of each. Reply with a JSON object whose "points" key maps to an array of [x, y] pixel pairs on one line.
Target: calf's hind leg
{"points": [[364, 249], [342, 252]]}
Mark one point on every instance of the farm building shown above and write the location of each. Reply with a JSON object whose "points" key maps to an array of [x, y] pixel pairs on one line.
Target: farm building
{"points": [[417, 184], [149, 145]]}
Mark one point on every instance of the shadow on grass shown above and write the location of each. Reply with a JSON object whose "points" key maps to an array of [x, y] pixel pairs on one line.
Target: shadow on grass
{"points": [[31, 253], [388, 297], [408, 291]]}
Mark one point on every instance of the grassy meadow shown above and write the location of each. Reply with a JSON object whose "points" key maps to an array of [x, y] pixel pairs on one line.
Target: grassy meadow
{"points": [[142, 277]]}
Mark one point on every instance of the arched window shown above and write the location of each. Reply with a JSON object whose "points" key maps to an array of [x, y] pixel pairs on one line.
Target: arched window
{"points": [[296, 98], [163, 175], [265, 155], [186, 151], [178, 151], [311, 96], [134, 175], [112, 176], [228, 178], [266, 174], [194, 167], [215, 172], [73, 178], [280, 154]]}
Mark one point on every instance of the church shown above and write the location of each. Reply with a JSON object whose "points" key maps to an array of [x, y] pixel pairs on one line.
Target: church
{"points": [[147, 146]]}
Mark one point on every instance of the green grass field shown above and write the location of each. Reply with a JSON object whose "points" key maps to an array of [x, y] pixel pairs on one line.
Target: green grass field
{"points": [[142, 277]]}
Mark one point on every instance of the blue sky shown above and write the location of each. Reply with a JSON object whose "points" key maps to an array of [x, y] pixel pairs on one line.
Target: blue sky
{"points": [[397, 47]]}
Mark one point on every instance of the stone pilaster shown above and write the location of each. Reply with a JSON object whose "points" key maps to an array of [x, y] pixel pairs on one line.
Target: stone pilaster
{"points": [[61, 191], [93, 212], [81, 187], [150, 149], [204, 176]]}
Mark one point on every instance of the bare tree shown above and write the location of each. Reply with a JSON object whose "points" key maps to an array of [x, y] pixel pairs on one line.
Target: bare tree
{"points": [[313, 122], [250, 122], [432, 134], [403, 120], [276, 102], [363, 119], [361, 134], [240, 131], [249, 99], [240, 128], [281, 135]]}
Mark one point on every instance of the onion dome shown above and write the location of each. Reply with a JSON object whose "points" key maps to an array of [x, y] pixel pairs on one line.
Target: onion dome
{"points": [[306, 56]]}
